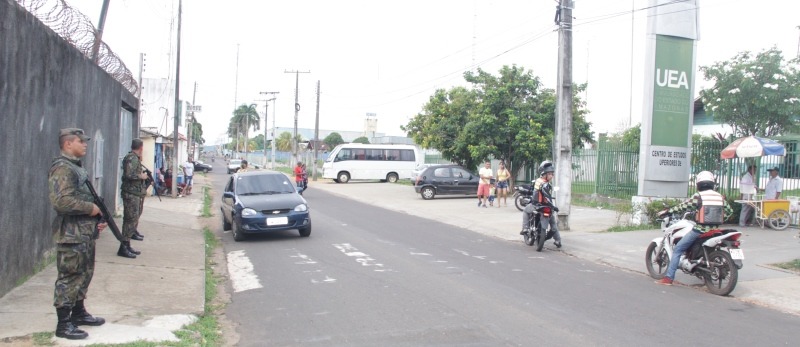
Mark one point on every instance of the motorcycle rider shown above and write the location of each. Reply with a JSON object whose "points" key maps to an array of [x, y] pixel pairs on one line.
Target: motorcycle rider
{"points": [[710, 208], [542, 195]]}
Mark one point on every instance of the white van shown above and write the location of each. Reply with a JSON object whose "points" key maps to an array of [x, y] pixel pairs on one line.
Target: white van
{"points": [[358, 161]]}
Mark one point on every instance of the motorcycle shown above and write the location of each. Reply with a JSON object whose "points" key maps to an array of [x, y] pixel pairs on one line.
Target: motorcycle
{"points": [[522, 196], [714, 258], [538, 233]]}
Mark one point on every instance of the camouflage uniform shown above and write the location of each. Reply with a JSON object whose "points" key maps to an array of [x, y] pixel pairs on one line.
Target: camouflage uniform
{"points": [[73, 228], [133, 191]]}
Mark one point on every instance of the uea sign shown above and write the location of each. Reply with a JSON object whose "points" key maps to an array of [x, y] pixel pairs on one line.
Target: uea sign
{"points": [[672, 79]]}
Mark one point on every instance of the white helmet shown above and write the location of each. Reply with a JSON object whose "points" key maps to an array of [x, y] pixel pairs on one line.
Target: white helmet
{"points": [[704, 180]]}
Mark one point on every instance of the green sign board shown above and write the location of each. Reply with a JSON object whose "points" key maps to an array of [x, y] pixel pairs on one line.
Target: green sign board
{"points": [[672, 93]]}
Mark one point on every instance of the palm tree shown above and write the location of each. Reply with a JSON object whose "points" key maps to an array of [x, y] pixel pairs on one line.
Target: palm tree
{"points": [[246, 117]]}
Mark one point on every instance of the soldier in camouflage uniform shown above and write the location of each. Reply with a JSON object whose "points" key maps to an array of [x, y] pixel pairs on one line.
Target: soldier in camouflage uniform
{"points": [[133, 191], [74, 229]]}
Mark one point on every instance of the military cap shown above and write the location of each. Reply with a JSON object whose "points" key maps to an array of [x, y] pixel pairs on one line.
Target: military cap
{"points": [[74, 131]]}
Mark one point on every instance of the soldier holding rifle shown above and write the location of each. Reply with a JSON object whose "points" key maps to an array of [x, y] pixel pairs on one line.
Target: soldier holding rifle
{"points": [[75, 229], [133, 192]]}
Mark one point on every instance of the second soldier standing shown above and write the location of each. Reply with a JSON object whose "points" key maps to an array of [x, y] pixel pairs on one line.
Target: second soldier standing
{"points": [[133, 192]]}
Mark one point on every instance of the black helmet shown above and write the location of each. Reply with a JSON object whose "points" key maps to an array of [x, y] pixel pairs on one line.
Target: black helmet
{"points": [[545, 167]]}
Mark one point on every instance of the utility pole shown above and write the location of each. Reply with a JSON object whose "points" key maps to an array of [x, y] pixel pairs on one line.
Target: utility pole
{"points": [[316, 138], [272, 164], [177, 117], [266, 125], [296, 111], [98, 36], [562, 146], [139, 105], [798, 44], [189, 121]]}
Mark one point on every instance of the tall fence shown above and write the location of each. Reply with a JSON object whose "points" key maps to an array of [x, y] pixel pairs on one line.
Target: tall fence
{"points": [[77, 29]]}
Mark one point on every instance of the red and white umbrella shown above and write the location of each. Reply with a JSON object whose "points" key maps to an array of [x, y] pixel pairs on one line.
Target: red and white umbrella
{"points": [[751, 146]]}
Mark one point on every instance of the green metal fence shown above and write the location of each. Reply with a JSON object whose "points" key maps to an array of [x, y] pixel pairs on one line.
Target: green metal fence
{"points": [[612, 169]]}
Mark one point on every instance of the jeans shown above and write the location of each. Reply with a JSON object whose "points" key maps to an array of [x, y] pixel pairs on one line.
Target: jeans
{"points": [[680, 248]]}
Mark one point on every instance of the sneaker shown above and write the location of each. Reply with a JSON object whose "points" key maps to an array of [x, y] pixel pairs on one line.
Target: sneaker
{"points": [[479, 203], [666, 281], [484, 206], [558, 244]]}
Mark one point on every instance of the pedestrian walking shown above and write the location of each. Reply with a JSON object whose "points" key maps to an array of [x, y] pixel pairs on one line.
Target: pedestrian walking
{"points": [[747, 189], [75, 229]]}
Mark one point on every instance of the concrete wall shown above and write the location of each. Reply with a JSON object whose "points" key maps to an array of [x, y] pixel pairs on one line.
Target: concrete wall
{"points": [[46, 85]]}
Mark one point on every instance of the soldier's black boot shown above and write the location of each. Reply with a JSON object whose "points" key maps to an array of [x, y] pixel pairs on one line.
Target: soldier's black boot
{"points": [[136, 236], [130, 249], [65, 328], [124, 252], [81, 317]]}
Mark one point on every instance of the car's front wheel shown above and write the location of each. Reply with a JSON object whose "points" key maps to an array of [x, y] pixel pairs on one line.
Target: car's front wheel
{"points": [[238, 235], [391, 178], [305, 232], [427, 193], [344, 177]]}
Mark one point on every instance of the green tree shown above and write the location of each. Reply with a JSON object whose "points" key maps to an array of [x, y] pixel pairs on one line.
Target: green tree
{"points": [[284, 141], [362, 139], [756, 94], [332, 140], [197, 133], [244, 118], [259, 141], [508, 117]]}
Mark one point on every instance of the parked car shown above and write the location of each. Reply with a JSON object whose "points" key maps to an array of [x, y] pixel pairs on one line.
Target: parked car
{"points": [[201, 166], [418, 170], [234, 165], [446, 179], [256, 202]]}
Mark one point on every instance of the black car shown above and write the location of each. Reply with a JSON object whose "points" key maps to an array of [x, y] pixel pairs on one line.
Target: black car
{"points": [[202, 167], [263, 201], [446, 180]]}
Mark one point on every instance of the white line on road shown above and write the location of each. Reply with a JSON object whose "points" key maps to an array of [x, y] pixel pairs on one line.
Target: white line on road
{"points": [[241, 272], [361, 257]]}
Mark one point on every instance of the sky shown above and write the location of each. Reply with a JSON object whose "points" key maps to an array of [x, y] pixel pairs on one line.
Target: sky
{"points": [[388, 57]]}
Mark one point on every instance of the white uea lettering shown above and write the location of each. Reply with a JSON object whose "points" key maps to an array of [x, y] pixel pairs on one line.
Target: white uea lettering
{"points": [[672, 79]]}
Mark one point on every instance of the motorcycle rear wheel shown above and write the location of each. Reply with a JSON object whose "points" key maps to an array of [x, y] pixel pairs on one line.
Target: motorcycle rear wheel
{"points": [[657, 264], [724, 275], [540, 238]]}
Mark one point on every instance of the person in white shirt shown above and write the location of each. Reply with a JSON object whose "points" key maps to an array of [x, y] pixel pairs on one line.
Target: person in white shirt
{"points": [[774, 185], [188, 170], [486, 175], [747, 188]]}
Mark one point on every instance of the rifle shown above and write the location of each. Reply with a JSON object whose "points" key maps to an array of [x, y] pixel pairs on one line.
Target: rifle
{"points": [[109, 218], [152, 181]]}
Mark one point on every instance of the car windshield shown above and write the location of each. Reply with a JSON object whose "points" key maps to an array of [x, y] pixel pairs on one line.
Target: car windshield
{"points": [[264, 184]]}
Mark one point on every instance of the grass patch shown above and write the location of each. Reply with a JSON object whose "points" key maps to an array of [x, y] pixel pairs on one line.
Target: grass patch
{"points": [[207, 202], [43, 339], [621, 228], [595, 204], [793, 265], [405, 182]]}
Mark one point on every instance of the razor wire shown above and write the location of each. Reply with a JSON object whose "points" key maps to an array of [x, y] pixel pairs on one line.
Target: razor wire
{"points": [[77, 30]]}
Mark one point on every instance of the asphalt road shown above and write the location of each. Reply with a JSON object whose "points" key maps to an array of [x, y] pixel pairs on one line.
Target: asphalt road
{"points": [[368, 276]]}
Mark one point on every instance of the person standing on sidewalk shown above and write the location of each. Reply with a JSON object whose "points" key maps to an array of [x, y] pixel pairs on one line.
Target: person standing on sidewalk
{"points": [[133, 192], [502, 183], [75, 229], [298, 175], [710, 208], [774, 185], [188, 171], [747, 188], [483, 186]]}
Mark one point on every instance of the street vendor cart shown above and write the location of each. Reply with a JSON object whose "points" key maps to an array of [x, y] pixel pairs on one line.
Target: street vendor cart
{"points": [[773, 213]]}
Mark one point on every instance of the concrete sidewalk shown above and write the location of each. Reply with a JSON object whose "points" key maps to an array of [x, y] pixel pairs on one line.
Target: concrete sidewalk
{"points": [[758, 283], [141, 299]]}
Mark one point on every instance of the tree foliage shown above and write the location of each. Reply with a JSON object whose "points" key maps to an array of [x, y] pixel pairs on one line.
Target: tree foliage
{"points": [[508, 117], [197, 133], [362, 139], [756, 94], [284, 141], [332, 140], [244, 117]]}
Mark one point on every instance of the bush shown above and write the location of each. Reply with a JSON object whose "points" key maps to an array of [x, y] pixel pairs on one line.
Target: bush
{"points": [[654, 207]]}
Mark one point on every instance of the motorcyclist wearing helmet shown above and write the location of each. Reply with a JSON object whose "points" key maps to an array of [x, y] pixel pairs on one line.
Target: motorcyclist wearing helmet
{"points": [[542, 196], [709, 207]]}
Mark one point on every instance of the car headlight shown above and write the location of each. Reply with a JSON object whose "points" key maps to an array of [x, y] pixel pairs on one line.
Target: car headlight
{"points": [[301, 208], [248, 212]]}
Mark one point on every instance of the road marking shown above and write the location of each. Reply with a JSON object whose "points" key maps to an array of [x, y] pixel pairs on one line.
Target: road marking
{"points": [[304, 259], [241, 272], [361, 257]]}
